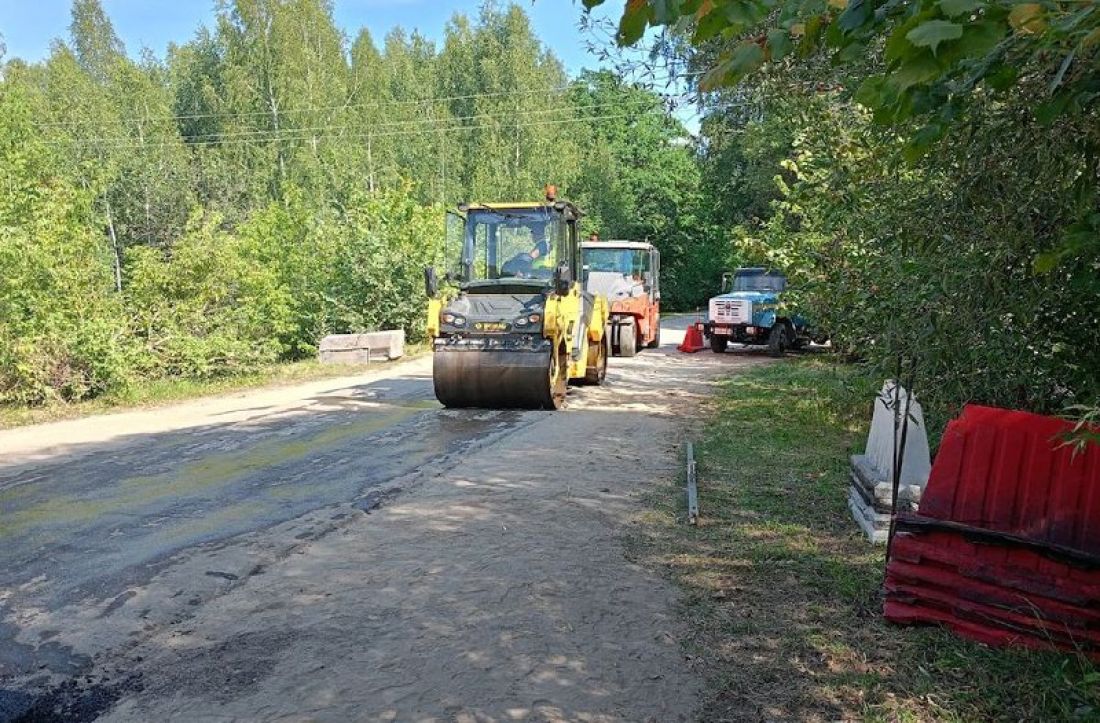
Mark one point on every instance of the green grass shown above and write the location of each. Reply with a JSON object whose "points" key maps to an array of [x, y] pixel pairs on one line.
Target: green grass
{"points": [[157, 392], [782, 595]]}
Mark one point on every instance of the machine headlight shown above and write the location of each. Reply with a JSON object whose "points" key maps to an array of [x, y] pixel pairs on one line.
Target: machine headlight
{"points": [[528, 319], [452, 319]]}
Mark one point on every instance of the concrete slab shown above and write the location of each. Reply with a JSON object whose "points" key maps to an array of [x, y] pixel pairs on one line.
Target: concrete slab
{"points": [[362, 348], [871, 493]]}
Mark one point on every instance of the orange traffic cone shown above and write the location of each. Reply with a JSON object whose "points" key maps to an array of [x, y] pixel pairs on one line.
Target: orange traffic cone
{"points": [[693, 340]]}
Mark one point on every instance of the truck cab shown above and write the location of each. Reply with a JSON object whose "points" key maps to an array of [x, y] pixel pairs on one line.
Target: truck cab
{"points": [[747, 312]]}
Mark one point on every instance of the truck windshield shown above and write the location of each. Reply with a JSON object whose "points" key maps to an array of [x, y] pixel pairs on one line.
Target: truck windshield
{"points": [[516, 244], [628, 262], [759, 281]]}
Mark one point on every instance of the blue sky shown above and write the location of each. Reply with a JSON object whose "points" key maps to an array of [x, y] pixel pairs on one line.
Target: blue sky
{"points": [[30, 26]]}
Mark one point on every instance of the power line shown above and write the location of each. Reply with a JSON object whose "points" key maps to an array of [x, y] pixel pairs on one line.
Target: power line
{"points": [[349, 106], [388, 134], [127, 140], [318, 109], [341, 107]]}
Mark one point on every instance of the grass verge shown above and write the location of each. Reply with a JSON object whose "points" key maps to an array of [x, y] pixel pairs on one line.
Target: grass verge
{"points": [[782, 595], [157, 392]]}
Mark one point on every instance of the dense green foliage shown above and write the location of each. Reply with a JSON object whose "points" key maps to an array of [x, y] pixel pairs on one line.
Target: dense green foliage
{"points": [[927, 170], [642, 182], [57, 326], [272, 181]]}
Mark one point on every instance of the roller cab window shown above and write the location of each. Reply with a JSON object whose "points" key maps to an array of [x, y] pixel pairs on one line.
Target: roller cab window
{"points": [[513, 244], [631, 263]]}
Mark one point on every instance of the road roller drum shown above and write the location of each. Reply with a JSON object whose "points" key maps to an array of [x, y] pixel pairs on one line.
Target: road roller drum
{"points": [[498, 379]]}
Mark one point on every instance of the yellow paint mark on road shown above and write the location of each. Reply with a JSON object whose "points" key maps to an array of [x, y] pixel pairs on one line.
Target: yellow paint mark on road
{"points": [[129, 495]]}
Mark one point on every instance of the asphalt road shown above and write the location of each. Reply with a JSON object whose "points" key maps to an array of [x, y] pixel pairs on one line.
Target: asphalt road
{"points": [[97, 520], [115, 527]]}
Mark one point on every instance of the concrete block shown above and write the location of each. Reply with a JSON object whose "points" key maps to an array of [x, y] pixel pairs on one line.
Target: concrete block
{"points": [[869, 496], [874, 525], [917, 462], [362, 348], [880, 489]]}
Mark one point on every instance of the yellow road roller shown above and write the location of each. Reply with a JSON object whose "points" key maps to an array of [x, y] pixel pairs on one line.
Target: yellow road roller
{"points": [[510, 322]]}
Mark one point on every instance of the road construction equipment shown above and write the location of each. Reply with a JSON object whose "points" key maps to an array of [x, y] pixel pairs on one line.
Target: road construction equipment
{"points": [[511, 323], [628, 274]]}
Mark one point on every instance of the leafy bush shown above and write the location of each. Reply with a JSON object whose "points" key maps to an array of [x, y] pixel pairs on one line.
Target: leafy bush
{"points": [[376, 279], [206, 307]]}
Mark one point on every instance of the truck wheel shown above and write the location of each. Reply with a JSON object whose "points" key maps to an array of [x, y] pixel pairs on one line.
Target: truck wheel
{"points": [[628, 339], [777, 340], [718, 343], [656, 336]]}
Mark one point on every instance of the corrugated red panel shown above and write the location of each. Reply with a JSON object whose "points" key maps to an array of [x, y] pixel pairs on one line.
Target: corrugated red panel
{"points": [[928, 592], [1006, 567], [1005, 548], [1012, 471]]}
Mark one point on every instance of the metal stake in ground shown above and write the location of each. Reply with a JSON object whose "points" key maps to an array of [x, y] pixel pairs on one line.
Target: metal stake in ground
{"points": [[692, 488]]}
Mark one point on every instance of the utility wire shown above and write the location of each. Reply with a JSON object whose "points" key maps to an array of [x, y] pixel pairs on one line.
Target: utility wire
{"points": [[343, 106], [128, 140], [349, 106], [414, 132]]}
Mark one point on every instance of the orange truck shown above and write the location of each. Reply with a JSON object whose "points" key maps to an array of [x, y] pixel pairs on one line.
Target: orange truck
{"points": [[627, 274]]}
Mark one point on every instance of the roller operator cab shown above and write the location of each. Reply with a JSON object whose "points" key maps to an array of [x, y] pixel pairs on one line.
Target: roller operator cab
{"points": [[627, 273], [748, 312], [510, 321]]}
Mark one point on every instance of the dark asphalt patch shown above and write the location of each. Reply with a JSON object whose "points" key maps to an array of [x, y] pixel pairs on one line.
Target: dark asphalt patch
{"points": [[69, 702], [225, 670], [22, 657], [375, 499], [223, 575]]}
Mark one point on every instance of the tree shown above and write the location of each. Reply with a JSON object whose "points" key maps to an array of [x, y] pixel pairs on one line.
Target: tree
{"points": [[97, 47], [62, 333], [410, 129], [369, 100], [641, 182], [285, 85], [933, 171], [520, 134]]}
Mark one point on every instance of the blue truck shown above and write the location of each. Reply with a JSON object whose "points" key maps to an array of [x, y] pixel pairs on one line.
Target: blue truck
{"points": [[748, 312]]}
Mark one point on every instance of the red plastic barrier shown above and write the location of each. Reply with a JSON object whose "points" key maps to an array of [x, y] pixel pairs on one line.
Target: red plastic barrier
{"points": [[1005, 548], [1013, 471]]}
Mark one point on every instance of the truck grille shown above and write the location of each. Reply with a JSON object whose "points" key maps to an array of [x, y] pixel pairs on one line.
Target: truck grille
{"points": [[730, 311]]}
